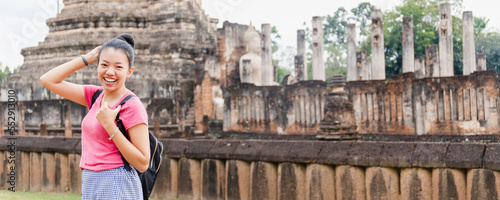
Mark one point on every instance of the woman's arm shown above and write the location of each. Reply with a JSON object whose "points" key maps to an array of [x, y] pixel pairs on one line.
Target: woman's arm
{"points": [[54, 79], [136, 151]]}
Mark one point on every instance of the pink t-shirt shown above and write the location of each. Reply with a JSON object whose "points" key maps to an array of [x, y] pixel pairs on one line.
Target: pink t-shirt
{"points": [[98, 152]]}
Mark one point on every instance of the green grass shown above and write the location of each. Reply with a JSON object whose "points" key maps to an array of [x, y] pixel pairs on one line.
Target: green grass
{"points": [[6, 194]]}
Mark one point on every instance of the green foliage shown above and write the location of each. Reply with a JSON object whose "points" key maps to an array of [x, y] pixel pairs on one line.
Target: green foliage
{"points": [[5, 72], [334, 30], [489, 43], [280, 55], [425, 20]]}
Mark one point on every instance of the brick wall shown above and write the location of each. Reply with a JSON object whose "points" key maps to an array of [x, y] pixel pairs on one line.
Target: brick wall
{"points": [[278, 169]]}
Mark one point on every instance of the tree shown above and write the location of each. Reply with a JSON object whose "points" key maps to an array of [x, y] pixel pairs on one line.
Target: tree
{"points": [[282, 56], [489, 44], [5, 72], [334, 30]]}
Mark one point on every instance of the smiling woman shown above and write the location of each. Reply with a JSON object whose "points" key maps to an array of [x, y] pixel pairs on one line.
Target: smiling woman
{"points": [[104, 175]]}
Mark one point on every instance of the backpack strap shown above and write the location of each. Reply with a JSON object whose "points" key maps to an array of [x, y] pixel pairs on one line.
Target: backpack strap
{"points": [[94, 97], [121, 127]]}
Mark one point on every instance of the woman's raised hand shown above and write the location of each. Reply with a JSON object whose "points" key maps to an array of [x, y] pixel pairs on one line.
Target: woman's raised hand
{"points": [[93, 55]]}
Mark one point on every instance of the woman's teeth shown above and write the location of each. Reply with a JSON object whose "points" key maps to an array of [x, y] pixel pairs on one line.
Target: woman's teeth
{"points": [[109, 80]]}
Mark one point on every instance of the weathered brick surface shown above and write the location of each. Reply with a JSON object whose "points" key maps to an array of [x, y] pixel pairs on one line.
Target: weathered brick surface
{"points": [[416, 184], [291, 181], [48, 172], [275, 151], [350, 182], [199, 149], [320, 182], [248, 150], [429, 155], [166, 183], [23, 170], [381, 183], [75, 173], [3, 169], [365, 153], [189, 179], [305, 151], [238, 177], [263, 181], [335, 153], [448, 184], [223, 149], [491, 155], [35, 171], [175, 148], [465, 155], [397, 154], [62, 177], [483, 184], [213, 177]]}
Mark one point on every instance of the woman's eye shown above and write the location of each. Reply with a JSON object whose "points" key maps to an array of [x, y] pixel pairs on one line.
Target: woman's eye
{"points": [[104, 65], [119, 67]]}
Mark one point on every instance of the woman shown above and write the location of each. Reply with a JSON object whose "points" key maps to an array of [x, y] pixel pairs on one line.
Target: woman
{"points": [[103, 175]]}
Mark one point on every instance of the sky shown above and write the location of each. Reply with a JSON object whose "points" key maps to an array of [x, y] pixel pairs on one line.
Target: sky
{"points": [[22, 22]]}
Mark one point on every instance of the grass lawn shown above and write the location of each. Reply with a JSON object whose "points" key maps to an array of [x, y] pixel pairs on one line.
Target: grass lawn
{"points": [[6, 194]]}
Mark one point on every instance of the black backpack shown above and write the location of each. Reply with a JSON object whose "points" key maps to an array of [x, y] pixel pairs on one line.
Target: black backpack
{"points": [[147, 178]]}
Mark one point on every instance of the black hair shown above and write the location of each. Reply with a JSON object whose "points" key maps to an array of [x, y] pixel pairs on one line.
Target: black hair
{"points": [[124, 42]]}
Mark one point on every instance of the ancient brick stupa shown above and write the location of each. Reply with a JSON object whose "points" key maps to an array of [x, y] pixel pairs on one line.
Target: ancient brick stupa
{"points": [[172, 38]]}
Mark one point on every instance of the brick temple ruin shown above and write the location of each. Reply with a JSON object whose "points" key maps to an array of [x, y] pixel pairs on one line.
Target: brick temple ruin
{"points": [[422, 134]]}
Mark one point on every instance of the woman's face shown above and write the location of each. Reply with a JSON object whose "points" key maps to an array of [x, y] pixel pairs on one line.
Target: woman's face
{"points": [[113, 69]]}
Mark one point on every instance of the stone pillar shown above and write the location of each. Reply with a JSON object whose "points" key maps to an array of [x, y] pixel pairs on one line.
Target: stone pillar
{"points": [[237, 180], [445, 40], [166, 183], [364, 68], [266, 55], [212, 179], [350, 182], [320, 182], [263, 181], [352, 70], [291, 181], [416, 184], [419, 67], [448, 183], [469, 48], [318, 63], [432, 62], [189, 178], [300, 58], [408, 45], [481, 62], [378, 54], [381, 183]]}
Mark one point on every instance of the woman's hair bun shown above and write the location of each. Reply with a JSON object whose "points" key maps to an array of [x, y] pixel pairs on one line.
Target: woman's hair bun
{"points": [[127, 38]]}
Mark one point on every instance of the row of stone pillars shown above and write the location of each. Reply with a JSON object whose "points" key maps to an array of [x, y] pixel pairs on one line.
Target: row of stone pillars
{"points": [[438, 63], [318, 64]]}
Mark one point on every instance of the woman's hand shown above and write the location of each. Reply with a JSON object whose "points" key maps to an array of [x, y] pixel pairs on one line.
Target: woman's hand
{"points": [[106, 116], [93, 55]]}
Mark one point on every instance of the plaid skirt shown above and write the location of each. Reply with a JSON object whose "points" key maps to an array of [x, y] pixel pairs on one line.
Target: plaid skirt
{"points": [[115, 183]]}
